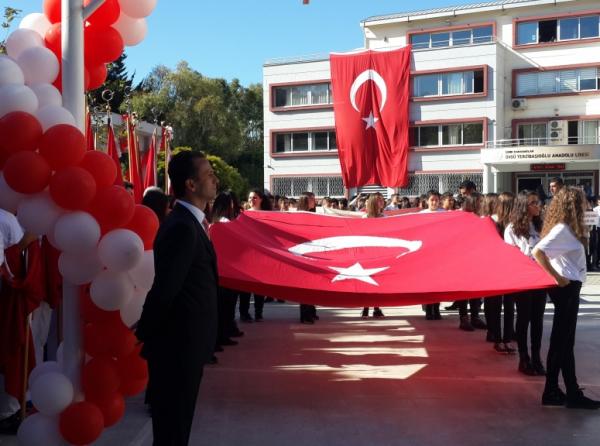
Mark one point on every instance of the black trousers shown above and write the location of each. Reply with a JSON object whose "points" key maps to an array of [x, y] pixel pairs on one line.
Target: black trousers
{"points": [[492, 307], [474, 304], [307, 312], [226, 307], [530, 311], [561, 356], [175, 375], [259, 303]]}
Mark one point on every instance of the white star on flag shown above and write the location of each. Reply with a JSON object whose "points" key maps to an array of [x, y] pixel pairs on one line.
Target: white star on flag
{"points": [[357, 272], [370, 120]]}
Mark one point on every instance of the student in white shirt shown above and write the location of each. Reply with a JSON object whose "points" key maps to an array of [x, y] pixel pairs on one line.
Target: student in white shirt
{"points": [[523, 231], [561, 253]]}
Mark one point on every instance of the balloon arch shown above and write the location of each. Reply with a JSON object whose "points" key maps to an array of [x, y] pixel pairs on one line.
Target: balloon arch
{"points": [[60, 191]]}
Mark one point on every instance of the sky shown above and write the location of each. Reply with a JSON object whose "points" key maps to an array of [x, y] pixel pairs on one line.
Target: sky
{"points": [[233, 38]]}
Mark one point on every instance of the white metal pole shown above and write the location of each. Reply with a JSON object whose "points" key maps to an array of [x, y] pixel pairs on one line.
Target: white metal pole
{"points": [[74, 101]]}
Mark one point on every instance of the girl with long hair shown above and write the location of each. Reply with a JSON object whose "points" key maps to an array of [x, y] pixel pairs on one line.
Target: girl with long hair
{"points": [[523, 231], [561, 253], [374, 206]]}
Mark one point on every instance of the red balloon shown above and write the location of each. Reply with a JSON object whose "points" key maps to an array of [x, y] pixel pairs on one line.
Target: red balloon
{"points": [[90, 312], [133, 386], [18, 131], [27, 172], [112, 407], [72, 188], [132, 366], [62, 145], [145, 224], [105, 15], [81, 423], [103, 44], [108, 339], [99, 378], [101, 166], [52, 10], [113, 208], [97, 74], [53, 40]]}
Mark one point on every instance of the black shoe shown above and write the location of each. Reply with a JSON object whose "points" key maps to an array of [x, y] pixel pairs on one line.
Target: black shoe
{"points": [[269, 299], [499, 348], [315, 317], [227, 341], [213, 360], [378, 314], [365, 313], [578, 400], [538, 367], [554, 397], [236, 333], [476, 322], [526, 368], [246, 318], [465, 324], [258, 318], [10, 425], [436, 314], [452, 307], [508, 348], [218, 349]]}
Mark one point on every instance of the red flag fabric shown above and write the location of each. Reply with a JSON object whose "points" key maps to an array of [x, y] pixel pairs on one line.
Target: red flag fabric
{"points": [[113, 152], [134, 162], [371, 92], [404, 260], [150, 176], [90, 142]]}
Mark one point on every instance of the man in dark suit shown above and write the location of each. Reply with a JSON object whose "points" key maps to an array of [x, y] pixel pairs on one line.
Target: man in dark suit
{"points": [[178, 325]]}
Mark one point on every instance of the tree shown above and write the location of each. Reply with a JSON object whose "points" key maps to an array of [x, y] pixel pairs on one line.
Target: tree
{"points": [[117, 81], [9, 15]]}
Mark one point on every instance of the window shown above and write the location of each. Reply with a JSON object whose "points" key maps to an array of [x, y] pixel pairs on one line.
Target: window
{"points": [[302, 95], [305, 141], [468, 36], [458, 134], [449, 84], [554, 30], [532, 134], [583, 132], [558, 81], [290, 186]]}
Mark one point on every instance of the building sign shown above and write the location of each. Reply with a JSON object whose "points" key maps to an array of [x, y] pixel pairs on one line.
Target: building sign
{"points": [[591, 218], [547, 166], [550, 154]]}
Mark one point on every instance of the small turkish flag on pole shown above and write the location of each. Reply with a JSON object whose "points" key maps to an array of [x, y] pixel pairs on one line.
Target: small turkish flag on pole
{"points": [[371, 91]]}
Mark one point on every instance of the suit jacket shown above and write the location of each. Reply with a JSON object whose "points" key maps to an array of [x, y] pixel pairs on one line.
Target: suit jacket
{"points": [[180, 312]]}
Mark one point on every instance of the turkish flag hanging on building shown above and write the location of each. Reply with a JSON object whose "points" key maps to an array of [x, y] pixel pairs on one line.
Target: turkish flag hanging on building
{"points": [[404, 260], [371, 92]]}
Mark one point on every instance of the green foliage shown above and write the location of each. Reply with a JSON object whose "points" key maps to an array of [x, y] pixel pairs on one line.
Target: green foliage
{"points": [[117, 81], [211, 115], [9, 15]]}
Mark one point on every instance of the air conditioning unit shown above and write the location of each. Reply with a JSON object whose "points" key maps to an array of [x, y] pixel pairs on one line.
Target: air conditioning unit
{"points": [[518, 104], [557, 132]]}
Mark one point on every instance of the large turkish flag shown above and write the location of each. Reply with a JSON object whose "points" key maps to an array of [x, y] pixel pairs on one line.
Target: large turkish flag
{"points": [[371, 93], [402, 260]]}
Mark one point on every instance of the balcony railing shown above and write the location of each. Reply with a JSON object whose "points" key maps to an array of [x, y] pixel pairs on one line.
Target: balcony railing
{"points": [[536, 142]]}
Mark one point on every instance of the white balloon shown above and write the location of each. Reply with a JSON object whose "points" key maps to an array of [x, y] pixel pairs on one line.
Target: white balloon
{"points": [[38, 213], [47, 94], [17, 98], [10, 72], [137, 8], [43, 368], [39, 429], [76, 232], [9, 199], [20, 40], [120, 250], [132, 310], [111, 290], [51, 393], [39, 65], [142, 275], [37, 22], [52, 115], [79, 268], [132, 30]]}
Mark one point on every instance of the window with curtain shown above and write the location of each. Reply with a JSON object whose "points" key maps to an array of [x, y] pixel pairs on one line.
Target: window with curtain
{"points": [[547, 82], [302, 95], [588, 79], [452, 135], [532, 134], [320, 94], [305, 141], [283, 143], [469, 133], [590, 132], [527, 84], [452, 83], [568, 81], [555, 82], [448, 84]]}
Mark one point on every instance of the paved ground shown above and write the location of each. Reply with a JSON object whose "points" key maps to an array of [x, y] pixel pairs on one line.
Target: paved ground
{"points": [[398, 381]]}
